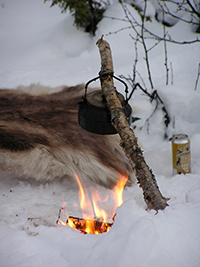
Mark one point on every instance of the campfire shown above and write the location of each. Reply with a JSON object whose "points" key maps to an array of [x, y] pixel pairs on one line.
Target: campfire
{"points": [[95, 220]]}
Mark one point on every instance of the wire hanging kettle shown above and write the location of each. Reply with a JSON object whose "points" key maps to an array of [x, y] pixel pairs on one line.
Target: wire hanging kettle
{"points": [[93, 114]]}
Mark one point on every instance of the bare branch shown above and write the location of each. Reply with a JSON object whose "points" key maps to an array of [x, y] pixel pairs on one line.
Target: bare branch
{"points": [[135, 62], [115, 32], [144, 45], [142, 80], [181, 7], [165, 49], [135, 24], [172, 77], [158, 42], [114, 18], [193, 8], [198, 74]]}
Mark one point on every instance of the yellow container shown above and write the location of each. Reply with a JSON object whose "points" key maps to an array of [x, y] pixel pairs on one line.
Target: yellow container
{"points": [[181, 154]]}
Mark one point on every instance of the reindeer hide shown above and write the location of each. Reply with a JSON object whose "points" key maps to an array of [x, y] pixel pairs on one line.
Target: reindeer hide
{"points": [[40, 137]]}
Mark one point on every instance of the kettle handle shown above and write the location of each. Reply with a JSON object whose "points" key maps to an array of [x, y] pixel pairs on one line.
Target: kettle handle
{"points": [[94, 79]]}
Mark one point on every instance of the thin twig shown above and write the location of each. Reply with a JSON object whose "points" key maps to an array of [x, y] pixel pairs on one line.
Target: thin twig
{"points": [[142, 80], [181, 8], [144, 45], [115, 32], [135, 62], [172, 77], [197, 79], [134, 24], [165, 49], [158, 42], [193, 9], [59, 214], [114, 18], [152, 96]]}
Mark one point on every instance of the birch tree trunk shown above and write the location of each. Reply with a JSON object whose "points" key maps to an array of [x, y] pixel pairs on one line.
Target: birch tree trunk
{"points": [[144, 175]]}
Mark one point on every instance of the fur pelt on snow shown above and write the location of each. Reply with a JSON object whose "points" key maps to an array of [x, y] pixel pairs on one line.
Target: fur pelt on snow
{"points": [[40, 137]]}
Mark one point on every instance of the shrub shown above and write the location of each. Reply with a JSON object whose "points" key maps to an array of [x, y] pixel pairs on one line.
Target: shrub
{"points": [[87, 14]]}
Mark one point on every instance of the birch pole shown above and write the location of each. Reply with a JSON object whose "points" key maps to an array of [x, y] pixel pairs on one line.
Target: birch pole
{"points": [[144, 174]]}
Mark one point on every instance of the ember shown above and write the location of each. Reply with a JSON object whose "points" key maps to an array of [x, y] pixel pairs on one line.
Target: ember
{"points": [[95, 226], [91, 210]]}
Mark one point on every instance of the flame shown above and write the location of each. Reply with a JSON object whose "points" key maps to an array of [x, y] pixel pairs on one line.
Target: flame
{"points": [[87, 209], [92, 209], [100, 213], [71, 223], [81, 192], [118, 190], [62, 223]]}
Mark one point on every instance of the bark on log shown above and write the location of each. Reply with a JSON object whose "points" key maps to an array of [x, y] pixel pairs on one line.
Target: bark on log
{"points": [[144, 175]]}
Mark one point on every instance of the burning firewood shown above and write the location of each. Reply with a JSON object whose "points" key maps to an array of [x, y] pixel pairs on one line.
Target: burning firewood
{"points": [[91, 209], [88, 226]]}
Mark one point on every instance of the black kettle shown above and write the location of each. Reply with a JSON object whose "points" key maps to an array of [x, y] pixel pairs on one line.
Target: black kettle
{"points": [[93, 114]]}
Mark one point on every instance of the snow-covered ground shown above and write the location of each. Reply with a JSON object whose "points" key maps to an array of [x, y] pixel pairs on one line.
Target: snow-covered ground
{"points": [[39, 44]]}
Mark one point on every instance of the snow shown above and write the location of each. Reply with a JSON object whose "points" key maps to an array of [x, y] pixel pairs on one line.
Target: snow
{"points": [[39, 44]]}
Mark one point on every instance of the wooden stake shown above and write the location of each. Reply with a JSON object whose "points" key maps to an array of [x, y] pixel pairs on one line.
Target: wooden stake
{"points": [[145, 177]]}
